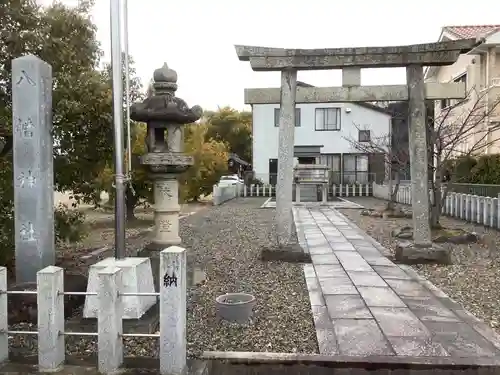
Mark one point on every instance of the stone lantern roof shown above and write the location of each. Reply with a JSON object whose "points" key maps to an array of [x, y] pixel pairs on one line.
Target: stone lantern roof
{"points": [[163, 106]]}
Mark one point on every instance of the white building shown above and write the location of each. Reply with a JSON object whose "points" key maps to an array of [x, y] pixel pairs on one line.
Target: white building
{"points": [[324, 134]]}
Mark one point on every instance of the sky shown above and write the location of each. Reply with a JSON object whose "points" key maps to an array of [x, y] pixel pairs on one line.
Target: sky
{"points": [[197, 37]]}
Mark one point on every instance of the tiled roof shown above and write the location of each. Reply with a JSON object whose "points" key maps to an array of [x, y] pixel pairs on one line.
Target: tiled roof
{"points": [[471, 31]]}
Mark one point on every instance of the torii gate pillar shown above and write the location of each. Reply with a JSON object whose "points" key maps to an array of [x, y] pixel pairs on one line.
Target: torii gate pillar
{"points": [[284, 188]]}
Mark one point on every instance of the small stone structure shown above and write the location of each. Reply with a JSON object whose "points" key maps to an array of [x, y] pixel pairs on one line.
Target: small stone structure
{"points": [[137, 278], [351, 61], [165, 115], [311, 175]]}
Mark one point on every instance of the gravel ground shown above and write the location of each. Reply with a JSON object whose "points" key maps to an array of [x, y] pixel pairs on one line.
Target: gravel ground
{"points": [[472, 280], [226, 241]]}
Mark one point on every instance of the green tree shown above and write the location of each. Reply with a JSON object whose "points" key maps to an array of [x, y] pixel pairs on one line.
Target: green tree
{"points": [[210, 162], [233, 127], [140, 188], [65, 38]]}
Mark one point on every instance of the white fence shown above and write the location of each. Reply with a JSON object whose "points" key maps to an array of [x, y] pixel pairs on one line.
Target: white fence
{"points": [[259, 191], [473, 208], [51, 333], [221, 194], [354, 190]]}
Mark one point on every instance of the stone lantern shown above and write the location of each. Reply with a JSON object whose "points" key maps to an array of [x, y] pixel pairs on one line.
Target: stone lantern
{"points": [[165, 115]]}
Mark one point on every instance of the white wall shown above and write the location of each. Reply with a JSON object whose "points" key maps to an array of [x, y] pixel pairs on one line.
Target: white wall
{"points": [[265, 134]]}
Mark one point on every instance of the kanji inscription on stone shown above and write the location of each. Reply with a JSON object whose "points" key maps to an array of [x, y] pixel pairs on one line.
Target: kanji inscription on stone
{"points": [[26, 180], [25, 127], [169, 280], [27, 232], [24, 77], [165, 190], [165, 225]]}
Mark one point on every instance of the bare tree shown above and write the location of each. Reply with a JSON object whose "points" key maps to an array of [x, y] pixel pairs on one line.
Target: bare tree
{"points": [[396, 157], [460, 130]]}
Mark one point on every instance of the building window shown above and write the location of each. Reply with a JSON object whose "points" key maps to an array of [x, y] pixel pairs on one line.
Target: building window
{"points": [[355, 169], [364, 136], [333, 163], [445, 103], [277, 117], [327, 119]]}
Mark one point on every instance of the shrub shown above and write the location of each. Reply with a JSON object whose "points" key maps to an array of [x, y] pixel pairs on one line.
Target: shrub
{"points": [[487, 170], [69, 224], [462, 169], [69, 227]]}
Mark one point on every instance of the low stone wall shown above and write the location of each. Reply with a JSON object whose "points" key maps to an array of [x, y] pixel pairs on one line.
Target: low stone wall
{"points": [[223, 194]]}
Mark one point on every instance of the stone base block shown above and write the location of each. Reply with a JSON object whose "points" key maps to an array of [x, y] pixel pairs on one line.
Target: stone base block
{"points": [[408, 253], [137, 278], [292, 253]]}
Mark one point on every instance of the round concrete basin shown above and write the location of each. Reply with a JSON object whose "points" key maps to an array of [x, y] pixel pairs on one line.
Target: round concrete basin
{"points": [[235, 307]]}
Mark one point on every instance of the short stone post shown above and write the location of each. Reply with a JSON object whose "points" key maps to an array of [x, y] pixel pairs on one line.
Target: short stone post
{"points": [[50, 300], [284, 188], [324, 196], [33, 166], [173, 289], [479, 211], [297, 193], [109, 320], [467, 207], [216, 195], [486, 209], [473, 206], [493, 212], [464, 206], [4, 313], [498, 211]]}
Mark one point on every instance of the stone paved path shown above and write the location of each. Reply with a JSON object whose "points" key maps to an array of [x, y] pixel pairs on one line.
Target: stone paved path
{"points": [[365, 305]]}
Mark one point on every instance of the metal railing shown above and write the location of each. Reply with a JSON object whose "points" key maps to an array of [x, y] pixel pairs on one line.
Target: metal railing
{"points": [[50, 306]]}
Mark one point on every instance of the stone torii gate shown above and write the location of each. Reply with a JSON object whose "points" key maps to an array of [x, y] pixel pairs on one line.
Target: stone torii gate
{"points": [[351, 61]]}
